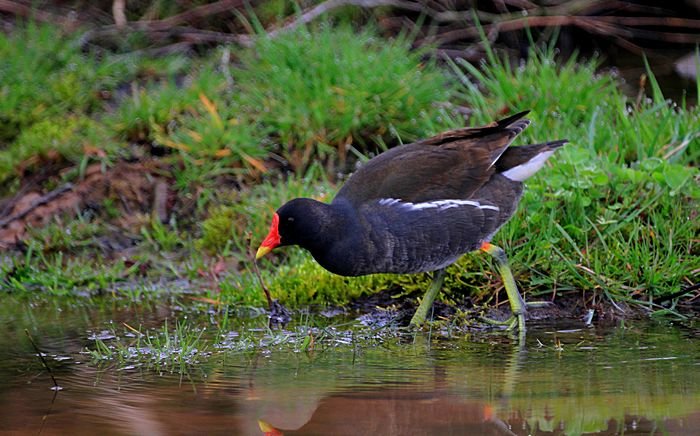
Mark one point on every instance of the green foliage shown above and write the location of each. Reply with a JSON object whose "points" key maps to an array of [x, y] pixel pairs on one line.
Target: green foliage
{"points": [[73, 236], [51, 94], [152, 108], [571, 100], [162, 349], [218, 229], [44, 74], [196, 118], [613, 213], [248, 214], [73, 138], [162, 237], [59, 275], [218, 132], [302, 281], [321, 91]]}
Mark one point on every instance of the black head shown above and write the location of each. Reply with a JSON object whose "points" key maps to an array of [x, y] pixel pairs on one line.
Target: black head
{"points": [[301, 221]]}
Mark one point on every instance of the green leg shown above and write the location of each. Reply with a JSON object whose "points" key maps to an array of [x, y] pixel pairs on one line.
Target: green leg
{"points": [[517, 305], [427, 302]]}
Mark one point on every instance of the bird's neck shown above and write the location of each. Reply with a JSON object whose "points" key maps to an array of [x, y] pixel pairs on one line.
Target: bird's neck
{"points": [[329, 226]]}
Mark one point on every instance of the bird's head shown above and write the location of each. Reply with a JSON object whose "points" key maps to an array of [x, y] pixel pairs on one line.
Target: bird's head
{"points": [[295, 223]]}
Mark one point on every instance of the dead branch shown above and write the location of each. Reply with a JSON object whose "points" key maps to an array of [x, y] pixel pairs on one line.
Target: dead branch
{"points": [[190, 34], [36, 203], [186, 17], [118, 13], [584, 14], [26, 11], [200, 12], [322, 8]]}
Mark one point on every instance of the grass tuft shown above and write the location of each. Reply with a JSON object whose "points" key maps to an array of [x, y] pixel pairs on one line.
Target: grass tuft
{"points": [[613, 213], [323, 91]]}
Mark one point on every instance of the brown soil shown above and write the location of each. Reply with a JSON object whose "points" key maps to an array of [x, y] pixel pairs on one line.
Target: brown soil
{"points": [[138, 189]]}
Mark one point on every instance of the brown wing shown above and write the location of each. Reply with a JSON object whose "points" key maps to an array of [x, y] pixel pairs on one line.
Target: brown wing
{"points": [[451, 165]]}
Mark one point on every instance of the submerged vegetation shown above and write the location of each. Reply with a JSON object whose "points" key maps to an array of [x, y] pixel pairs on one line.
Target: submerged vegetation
{"points": [[190, 159]]}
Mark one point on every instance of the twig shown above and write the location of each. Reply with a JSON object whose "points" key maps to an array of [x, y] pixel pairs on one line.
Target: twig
{"points": [[36, 203], [641, 93], [681, 293], [56, 387], [680, 147], [654, 21], [256, 270], [199, 12], [172, 26], [267, 293], [37, 14], [118, 13], [311, 14], [191, 34], [160, 201], [178, 47]]}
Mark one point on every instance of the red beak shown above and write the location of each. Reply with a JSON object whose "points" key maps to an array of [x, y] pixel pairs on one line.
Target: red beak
{"points": [[272, 239]]}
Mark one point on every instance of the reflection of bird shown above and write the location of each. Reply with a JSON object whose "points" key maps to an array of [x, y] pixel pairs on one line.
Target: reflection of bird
{"points": [[269, 430], [409, 409], [419, 207]]}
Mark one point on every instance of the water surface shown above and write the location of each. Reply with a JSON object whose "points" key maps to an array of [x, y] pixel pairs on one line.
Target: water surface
{"points": [[642, 378]]}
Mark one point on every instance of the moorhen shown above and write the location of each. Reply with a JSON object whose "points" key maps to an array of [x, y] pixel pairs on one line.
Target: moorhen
{"points": [[419, 207]]}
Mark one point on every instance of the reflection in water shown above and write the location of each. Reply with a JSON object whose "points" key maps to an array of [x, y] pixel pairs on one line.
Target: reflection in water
{"points": [[639, 381]]}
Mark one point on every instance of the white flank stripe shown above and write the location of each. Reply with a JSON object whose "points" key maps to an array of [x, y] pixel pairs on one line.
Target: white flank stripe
{"points": [[438, 204], [526, 170]]}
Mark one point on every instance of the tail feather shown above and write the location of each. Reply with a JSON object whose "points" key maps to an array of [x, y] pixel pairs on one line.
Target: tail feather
{"points": [[520, 163], [513, 125], [505, 122]]}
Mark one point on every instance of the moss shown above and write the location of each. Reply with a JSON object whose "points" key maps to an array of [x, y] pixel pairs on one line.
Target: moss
{"points": [[301, 281], [63, 79], [72, 138], [218, 229]]}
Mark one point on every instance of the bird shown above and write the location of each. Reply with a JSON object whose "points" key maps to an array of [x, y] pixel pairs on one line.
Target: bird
{"points": [[419, 207]]}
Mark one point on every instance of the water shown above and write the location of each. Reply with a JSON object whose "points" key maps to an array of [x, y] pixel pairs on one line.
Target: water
{"points": [[639, 379]]}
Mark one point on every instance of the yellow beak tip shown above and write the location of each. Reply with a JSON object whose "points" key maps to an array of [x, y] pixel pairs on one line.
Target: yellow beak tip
{"points": [[262, 251]]}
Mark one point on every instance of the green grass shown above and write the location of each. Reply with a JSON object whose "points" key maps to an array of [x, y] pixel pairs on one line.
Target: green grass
{"points": [[57, 69], [74, 138], [320, 92], [614, 212], [178, 347], [76, 236], [58, 274], [156, 104], [161, 350], [612, 216], [54, 98]]}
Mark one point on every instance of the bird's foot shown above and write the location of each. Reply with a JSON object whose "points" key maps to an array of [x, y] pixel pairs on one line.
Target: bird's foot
{"points": [[511, 323], [517, 319], [538, 304]]}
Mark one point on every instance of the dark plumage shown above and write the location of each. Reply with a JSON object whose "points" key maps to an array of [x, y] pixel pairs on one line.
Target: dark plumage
{"points": [[418, 207]]}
